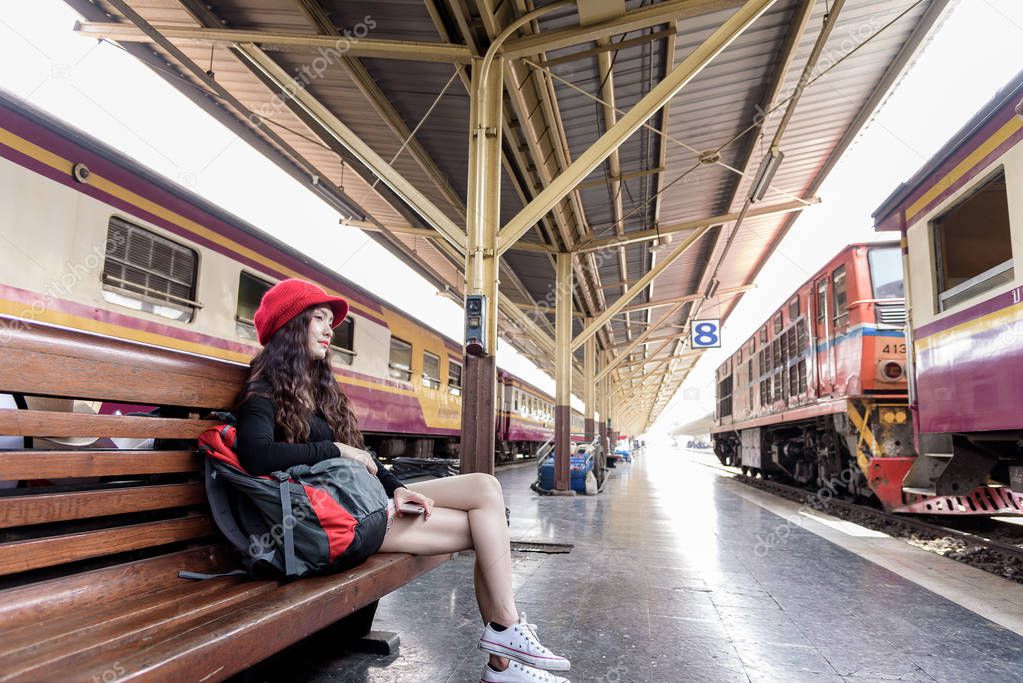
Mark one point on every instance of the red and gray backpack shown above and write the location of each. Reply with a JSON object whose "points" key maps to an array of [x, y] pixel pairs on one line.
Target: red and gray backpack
{"points": [[307, 520]]}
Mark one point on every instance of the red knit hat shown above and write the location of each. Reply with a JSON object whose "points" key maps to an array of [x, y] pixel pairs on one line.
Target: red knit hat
{"points": [[288, 298]]}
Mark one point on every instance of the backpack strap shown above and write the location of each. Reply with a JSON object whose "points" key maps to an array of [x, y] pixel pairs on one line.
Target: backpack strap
{"points": [[200, 576], [287, 524], [220, 507]]}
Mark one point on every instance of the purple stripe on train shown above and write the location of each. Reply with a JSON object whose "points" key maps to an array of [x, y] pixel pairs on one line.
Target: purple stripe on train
{"points": [[971, 381]]}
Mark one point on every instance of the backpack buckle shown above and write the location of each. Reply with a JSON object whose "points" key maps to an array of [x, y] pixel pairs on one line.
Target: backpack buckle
{"points": [[281, 476]]}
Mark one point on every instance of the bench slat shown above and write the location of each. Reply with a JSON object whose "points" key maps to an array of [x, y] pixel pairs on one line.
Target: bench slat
{"points": [[57, 507], [97, 648], [47, 423], [53, 464], [128, 608], [20, 556], [46, 601], [41, 359], [245, 635]]}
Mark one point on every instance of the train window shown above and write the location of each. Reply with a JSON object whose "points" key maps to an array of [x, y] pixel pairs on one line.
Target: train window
{"points": [[400, 365], [822, 301], [150, 273], [250, 293], [973, 244], [886, 272], [342, 346], [793, 309], [838, 297], [777, 322], [455, 379], [431, 370]]}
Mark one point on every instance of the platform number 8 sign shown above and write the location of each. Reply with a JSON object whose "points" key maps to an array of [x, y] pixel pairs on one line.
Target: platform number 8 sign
{"points": [[706, 334]]}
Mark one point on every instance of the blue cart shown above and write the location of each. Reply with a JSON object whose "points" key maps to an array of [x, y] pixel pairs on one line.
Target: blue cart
{"points": [[581, 468]]}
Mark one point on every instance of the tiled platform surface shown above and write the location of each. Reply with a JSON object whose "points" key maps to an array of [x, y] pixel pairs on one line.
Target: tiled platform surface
{"points": [[675, 576]]}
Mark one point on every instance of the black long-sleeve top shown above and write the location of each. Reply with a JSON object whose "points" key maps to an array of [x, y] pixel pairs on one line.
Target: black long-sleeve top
{"points": [[261, 449]]}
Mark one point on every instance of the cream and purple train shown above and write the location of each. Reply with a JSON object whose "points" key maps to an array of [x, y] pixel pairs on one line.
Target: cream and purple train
{"points": [[961, 221], [94, 241]]}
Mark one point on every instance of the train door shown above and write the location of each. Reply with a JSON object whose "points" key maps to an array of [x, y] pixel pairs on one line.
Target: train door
{"points": [[822, 334]]}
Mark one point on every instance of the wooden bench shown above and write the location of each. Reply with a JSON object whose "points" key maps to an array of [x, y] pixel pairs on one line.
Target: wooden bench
{"points": [[92, 540]]}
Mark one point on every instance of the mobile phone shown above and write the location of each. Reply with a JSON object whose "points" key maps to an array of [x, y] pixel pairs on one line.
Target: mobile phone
{"points": [[411, 509]]}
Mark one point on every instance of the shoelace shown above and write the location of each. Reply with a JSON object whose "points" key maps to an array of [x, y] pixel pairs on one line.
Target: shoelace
{"points": [[530, 635], [531, 627]]}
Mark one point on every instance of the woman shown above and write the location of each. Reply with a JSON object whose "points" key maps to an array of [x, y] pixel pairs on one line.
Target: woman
{"points": [[293, 412]]}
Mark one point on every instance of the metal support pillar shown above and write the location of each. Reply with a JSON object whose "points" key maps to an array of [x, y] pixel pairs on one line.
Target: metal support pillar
{"points": [[589, 387], [603, 389], [479, 398], [563, 373]]}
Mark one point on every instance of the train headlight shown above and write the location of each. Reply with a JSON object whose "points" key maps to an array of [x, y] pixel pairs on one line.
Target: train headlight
{"points": [[892, 416], [891, 370]]}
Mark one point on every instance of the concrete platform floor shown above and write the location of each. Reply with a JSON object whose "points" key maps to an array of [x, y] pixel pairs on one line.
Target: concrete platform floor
{"points": [[679, 574]]}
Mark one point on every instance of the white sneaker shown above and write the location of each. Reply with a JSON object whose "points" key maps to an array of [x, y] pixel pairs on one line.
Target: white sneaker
{"points": [[519, 673], [519, 642]]}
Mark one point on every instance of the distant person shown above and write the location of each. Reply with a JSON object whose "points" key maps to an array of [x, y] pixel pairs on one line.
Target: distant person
{"points": [[293, 412]]}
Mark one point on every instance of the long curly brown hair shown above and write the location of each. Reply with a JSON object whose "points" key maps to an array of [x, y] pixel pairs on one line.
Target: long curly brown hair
{"points": [[299, 385]]}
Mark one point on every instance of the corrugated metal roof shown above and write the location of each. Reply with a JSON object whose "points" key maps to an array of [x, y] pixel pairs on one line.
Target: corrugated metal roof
{"points": [[550, 123]]}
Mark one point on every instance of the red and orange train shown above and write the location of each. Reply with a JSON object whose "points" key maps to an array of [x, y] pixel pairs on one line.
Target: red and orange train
{"points": [[818, 393]]}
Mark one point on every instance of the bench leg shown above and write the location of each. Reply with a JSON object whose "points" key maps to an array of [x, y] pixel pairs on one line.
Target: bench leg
{"points": [[357, 633]]}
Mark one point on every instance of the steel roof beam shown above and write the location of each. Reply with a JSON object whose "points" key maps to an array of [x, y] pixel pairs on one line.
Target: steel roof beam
{"points": [[430, 233], [602, 182], [605, 71], [331, 124], [651, 340], [654, 235], [639, 340], [682, 299], [634, 20], [623, 300], [365, 82], [229, 37], [631, 121], [605, 47], [654, 355]]}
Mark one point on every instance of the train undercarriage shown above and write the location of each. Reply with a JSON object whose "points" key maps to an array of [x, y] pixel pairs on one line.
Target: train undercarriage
{"points": [[862, 453], [390, 446]]}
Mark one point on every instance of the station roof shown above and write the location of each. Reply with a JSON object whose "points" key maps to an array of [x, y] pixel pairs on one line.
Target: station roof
{"points": [[395, 74]]}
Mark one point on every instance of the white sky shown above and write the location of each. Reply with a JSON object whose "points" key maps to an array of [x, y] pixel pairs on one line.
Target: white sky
{"points": [[107, 93]]}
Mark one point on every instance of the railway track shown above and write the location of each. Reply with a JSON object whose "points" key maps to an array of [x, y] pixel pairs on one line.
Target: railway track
{"points": [[885, 519], [1002, 556]]}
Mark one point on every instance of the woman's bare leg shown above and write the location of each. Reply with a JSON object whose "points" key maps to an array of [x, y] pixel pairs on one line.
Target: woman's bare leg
{"points": [[468, 513]]}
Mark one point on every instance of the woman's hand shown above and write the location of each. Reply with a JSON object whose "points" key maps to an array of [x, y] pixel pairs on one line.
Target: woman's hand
{"points": [[358, 455], [404, 495]]}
